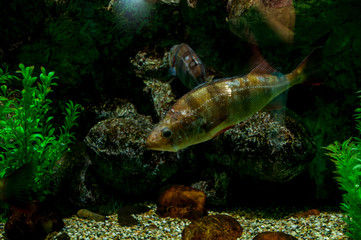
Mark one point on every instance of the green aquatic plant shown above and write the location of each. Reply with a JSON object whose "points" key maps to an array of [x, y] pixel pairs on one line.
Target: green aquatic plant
{"points": [[26, 131], [347, 158]]}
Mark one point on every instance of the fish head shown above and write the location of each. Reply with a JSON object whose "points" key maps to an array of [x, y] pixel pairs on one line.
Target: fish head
{"points": [[175, 132], [160, 139]]}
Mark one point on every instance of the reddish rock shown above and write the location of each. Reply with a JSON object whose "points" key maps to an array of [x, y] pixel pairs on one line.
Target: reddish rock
{"points": [[311, 212], [180, 201], [274, 236], [34, 223], [214, 227]]}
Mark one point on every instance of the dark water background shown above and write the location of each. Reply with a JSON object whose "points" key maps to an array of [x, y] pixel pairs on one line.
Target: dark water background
{"points": [[89, 48]]}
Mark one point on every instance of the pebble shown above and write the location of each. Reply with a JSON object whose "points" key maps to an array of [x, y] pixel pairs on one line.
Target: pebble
{"points": [[327, 225]]}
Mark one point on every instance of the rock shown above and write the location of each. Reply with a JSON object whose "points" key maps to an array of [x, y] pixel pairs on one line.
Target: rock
{"points": [[162, 95], [207, 188], [36, 223], [125, 217], [110, 108], [150, 66], [121, 137], [274, 236], [311, 212], [123, 163], [214, 227], [180, 201], [122, 133], [72, 185], [84, 213], [272, 146], [215, 186], [126, 220], [154, 72]]}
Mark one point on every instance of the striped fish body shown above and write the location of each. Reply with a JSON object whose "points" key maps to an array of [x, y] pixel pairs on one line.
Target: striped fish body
{"points": [[212, 108], [186, 65]]}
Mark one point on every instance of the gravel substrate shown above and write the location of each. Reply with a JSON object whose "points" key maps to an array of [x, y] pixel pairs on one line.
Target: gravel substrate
{"points": [[327, 225]]}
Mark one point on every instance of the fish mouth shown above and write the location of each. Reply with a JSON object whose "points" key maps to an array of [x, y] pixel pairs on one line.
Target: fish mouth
{"points": [[158, 147], [153, 142], [151, 145]]}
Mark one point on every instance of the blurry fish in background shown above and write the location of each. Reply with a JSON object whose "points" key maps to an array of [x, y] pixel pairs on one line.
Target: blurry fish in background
{"points": [[186, 65], [212, 108], [262, 20], [262, 23], [14, 188]]}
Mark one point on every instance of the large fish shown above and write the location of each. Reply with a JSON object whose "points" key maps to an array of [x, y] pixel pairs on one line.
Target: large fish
{"points": [[212, 108], [186, 65]]}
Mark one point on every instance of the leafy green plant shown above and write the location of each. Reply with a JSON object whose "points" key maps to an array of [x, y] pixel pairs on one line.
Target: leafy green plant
{"points": [[347, 157], [26, 132]]}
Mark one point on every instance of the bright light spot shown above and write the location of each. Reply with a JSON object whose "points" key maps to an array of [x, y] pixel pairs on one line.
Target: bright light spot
{"points": [[135, 12]]}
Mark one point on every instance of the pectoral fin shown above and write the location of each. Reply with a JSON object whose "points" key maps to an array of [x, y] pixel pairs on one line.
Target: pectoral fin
{"points": [[223, 130]]}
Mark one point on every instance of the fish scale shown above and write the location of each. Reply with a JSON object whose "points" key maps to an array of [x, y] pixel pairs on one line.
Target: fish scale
{"points": [[214, 107], [237, 99]]}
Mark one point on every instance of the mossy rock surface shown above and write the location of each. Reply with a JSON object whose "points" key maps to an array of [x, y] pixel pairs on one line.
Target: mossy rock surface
{"points": [[214, 227]]}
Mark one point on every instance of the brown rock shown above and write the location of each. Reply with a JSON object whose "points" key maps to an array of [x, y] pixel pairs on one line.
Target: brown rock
{"points": [[311, 212], [182, 202], [35, 223], [274, 236], [84, 213], [215, 227], [121, 160]]}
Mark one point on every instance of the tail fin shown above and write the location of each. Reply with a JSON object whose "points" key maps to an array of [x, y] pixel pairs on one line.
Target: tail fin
{"points": [[16, 191], [308, 69]]}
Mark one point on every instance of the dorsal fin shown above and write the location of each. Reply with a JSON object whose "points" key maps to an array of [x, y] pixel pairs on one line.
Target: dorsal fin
{"points": [[263, 68]]}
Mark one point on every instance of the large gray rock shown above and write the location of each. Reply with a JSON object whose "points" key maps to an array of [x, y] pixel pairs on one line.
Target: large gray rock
{"points": [[270, 145], [73, 184], [123, 162]]}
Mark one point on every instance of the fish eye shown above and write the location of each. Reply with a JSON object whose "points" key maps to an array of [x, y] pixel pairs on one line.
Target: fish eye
{"points": [[166, 132]]}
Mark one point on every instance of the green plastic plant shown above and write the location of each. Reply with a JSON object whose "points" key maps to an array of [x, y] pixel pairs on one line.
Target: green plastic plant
{"points": [[26, 132], [347, 157]]}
